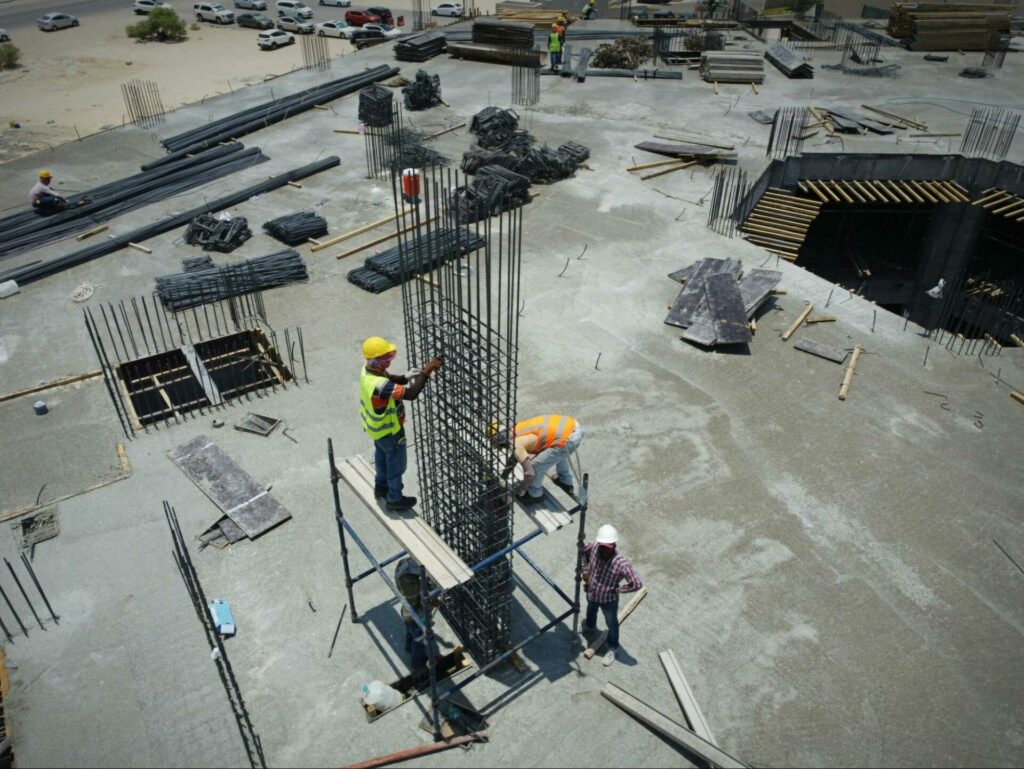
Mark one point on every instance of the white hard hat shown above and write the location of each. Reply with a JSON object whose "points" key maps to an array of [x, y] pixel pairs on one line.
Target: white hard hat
{"points": [[607, 535]]}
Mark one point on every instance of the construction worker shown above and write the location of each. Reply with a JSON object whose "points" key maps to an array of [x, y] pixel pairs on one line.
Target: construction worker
{"points": [[555, 47], [381, 395], [407, 580], [538, 444], [43, 198], [589, 11], [604, 571], [563, 24]]}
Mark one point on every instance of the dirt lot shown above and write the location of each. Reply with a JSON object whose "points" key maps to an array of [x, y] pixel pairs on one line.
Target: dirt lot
{"points": [[71, 79]]}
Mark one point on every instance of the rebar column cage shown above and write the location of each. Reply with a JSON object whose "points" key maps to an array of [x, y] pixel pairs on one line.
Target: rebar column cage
{"points": [[159, 366], [730, 201], [143, 102], [315, 53], [989, 133], [467, 312], [525, 83]]}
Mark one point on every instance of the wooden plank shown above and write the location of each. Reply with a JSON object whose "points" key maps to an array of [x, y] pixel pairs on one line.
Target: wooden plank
{"points": [[681, 276], [684, 696], [229, 487], [912, 123], [669, 170], [1019, 397], [922, 191], [358, 231], [655, 164], [445, 568], [93, 231], [141, 248], [864, 191], [821, 319], [908, 188], [796, 323], [624, 612], [844, 388], [853, 191], [898, 191], [837, 187], [725, 305], [937, 191], [825, 351], [51, 385], [702, 142], [383, 239], [669, 729], [816, 191]]}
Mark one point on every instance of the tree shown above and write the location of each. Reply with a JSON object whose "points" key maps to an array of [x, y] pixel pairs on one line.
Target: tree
{"points": [[161, 24], [9, 56]]}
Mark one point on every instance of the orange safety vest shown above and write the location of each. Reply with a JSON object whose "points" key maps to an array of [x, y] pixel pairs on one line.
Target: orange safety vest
{"points": [[550, 429]]}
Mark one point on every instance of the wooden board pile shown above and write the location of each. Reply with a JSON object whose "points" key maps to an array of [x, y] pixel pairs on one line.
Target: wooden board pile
{"points": [[779, 222], [532, 13], [715, 306], [948, 27], [508, 34], [731, 67]]}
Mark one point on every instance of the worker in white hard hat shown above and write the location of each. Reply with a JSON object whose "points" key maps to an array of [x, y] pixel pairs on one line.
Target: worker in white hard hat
{"points": [[380, 398], [606, 574]]}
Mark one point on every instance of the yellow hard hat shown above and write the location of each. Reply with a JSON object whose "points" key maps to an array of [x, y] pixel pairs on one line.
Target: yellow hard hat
{"points": [[497, 432], [376, 346], [44, 174]]}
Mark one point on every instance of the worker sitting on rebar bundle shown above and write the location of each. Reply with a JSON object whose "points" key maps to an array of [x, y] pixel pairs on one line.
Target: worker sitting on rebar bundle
{"points": [[44, 200], [381, 395], [538, 444]]}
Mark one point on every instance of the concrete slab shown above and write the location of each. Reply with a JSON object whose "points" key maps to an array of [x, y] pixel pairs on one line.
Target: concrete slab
{"points": [[823, 570]]}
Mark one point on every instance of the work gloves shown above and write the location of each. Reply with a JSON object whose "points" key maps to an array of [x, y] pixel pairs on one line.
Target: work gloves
{"points": [[433, 365]]}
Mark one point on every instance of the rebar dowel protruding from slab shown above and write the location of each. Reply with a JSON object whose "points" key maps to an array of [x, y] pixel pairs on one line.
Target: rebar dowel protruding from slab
{"points": [[35, 581], [24, 594], [845, 387], [7, 633], [10, 606]]}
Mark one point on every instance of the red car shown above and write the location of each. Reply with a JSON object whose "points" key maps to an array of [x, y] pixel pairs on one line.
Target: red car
{"points": [[359, 18]]}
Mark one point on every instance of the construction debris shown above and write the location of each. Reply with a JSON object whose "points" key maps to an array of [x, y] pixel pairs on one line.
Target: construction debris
{"points": [[624, 53], [423, 93], [293, 229], [494, 126], [731, 67], [222, 233]]}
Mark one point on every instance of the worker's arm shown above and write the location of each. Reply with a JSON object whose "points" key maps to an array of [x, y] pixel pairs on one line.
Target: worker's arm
{"points": [[523, 455], [417, 380], [628, 573]]}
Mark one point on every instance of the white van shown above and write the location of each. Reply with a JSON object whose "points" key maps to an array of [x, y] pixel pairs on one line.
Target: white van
{"points": [[293, 8]]}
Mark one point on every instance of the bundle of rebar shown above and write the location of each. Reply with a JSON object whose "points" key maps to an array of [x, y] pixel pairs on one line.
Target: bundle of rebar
{"points": [[192, 289], [990, 133], [26, 230], [370, 280], [420, 47], [731, 67], [423, 93], [575, 152], [263, 115], [424, 254], [292, 229], [214, 234], [507, 34], [493, 126], [195, 263], [33, 272], [494, 189], [787, 136], [375, 106], [520, 154]]}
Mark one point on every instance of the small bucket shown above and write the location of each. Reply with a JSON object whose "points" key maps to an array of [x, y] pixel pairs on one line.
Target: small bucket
{"points": [[40, 407], [411, 185]]}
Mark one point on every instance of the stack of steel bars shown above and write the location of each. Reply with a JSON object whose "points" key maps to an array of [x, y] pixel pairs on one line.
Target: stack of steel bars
{"points": [[192, 289], [292, 229], [218, 234], [255, 118], [26, 230], [35, 271], [394, 265], [421, 47]]}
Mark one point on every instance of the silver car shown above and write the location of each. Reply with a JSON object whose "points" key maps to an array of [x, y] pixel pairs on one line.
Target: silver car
{"points": [[52, 21], [252, 5], [291, 24]]}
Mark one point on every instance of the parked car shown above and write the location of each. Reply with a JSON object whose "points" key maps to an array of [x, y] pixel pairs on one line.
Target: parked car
{"points": [[361, 33], [143, 7], [337, 3], [255, 21], [292, 24], [293, 8], [52, 21], [638, 13], [4, 37], [384, 13], [446, 9], [664, 14], [357, 18], [332, 29], [252, 5], [273, 39], [214, 12], [385, 29]]}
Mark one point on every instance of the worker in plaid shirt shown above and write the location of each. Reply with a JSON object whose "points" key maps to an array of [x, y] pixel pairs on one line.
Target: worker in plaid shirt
{"points": [[603, 572]]}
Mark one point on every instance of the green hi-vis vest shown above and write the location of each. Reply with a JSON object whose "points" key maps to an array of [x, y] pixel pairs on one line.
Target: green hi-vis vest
{"points": [[376, 425], [554, 43]]}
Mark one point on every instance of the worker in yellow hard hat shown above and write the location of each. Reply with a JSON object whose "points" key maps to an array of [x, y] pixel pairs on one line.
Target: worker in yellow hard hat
{"points": [[555, 47], [589, 11], [380, 398], [43, 198]]}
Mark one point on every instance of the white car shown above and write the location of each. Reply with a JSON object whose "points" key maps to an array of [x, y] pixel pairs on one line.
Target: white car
{"points": [[292, 24], [4, 37], [142, 7], [446, 9], [332, 29], [273, 39], [384, 29], [293, 8], [52, 21], [251, 5], [337, 3]]}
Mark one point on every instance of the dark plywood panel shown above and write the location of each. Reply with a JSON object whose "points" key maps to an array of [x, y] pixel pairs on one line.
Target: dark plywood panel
{"points": [[725, 305], [755, 288], [825, 351], [683, 150], [683, 275], [701, 332], [233, 490], [691, 304]]}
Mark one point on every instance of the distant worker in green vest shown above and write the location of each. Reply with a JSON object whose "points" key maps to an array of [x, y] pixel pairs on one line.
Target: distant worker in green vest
{"points": [[589, 11], [555, 48], [380, 404]]}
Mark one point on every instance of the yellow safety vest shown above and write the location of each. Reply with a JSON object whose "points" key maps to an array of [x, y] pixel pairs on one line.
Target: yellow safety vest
{"points": [[376, 425]]}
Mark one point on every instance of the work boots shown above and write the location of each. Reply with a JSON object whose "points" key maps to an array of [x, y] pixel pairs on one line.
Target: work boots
{"points": [[405, 503]]}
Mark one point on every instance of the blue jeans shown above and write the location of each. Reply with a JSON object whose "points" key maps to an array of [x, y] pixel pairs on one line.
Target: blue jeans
{"points": [[417, 647], [50, 204], [611, 619], [557, 457], [390, 460], [556, 59]]}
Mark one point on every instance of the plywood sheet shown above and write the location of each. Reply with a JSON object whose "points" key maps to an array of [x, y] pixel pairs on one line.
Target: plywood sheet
{"points": [[825, 351], [755, 288], [725, 305]]}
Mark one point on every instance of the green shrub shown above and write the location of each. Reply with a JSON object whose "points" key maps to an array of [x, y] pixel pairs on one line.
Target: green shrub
{"points": [[160, 24], [9, 56]]}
